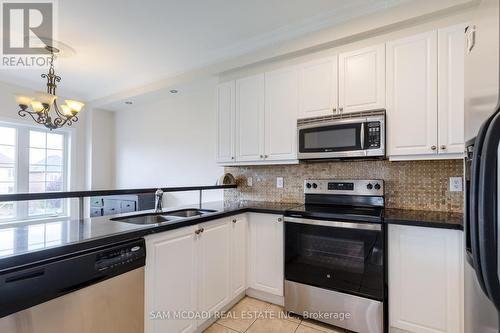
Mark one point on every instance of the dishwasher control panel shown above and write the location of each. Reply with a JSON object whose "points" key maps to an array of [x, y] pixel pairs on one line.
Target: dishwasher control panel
{"points": [[120, 256]]}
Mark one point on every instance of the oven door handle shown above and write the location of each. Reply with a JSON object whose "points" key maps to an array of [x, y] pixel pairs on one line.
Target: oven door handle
{"points": [[335, 224]]}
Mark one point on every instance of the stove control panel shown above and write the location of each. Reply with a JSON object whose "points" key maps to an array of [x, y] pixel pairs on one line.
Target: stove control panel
{"points": [[368, 187]]}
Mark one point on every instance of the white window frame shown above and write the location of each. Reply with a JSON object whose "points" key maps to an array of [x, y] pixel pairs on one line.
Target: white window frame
{"points": [[22, 176]]}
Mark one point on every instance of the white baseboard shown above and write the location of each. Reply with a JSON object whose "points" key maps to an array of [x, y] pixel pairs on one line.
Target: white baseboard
{"points": [[266, 297]]}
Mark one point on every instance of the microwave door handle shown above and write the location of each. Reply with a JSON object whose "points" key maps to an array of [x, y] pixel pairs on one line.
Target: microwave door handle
{"points": [[487, 210], [362, 135]]}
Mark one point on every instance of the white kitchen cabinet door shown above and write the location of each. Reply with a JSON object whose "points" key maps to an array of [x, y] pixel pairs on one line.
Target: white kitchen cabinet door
{"points": [[214, 261], [171, 279], [214, 275], [412, 95], [425, 280], [451, 50], [362, 79], [318, 88], [238, 255], [281, 109], [266, 253], [250, 118], [225, 122]]}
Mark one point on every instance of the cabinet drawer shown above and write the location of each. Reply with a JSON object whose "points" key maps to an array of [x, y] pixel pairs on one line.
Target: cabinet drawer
{"points": [[127, 206], [111, 207], [95, 211], [96, 201]]}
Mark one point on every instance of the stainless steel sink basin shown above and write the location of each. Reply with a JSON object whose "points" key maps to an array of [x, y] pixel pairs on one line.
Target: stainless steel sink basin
{"points": [[191, 212], [154, 218], [146, 219]]}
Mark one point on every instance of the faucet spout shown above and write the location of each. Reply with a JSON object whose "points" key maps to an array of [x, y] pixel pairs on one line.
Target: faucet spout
{"points": [[158, 201]]}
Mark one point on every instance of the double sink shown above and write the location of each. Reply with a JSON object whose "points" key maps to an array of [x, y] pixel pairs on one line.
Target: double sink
{"points": [[163, 217]]}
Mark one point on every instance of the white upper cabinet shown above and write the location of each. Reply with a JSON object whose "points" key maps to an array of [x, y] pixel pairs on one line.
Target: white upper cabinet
{"points": [[451, 46], [425, 280], [318, 88], [225, 122], [250, 118], [412, 95], [281, 109], [362, 79]]}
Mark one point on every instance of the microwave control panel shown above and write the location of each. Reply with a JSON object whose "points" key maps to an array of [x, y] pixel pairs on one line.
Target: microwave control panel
{"points": [[374, 133]]}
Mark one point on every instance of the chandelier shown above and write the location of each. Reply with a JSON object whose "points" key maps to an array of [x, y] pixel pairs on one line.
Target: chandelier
{"points": [[44, 108]]}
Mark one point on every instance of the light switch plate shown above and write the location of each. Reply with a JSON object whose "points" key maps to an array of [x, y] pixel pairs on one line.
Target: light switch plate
{"points": [[279, 182], [249, 181], [456, 184]]}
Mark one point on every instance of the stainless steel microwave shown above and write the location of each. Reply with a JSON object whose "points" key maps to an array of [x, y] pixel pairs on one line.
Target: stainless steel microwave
{"points": [[359, 135]]}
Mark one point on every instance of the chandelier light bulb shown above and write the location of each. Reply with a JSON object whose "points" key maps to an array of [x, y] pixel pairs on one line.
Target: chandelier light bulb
{"points": [[37, 106], [75, 106], [66, 110], [23, 100], [45, 98]]}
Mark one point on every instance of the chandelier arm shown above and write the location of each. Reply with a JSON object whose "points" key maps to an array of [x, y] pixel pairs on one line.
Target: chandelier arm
{"points": [[56, 108], [23, 113]]}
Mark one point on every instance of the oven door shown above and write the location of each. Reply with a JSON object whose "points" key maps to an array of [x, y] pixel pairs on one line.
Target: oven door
{"points": [[334, 139], [341, 256]]}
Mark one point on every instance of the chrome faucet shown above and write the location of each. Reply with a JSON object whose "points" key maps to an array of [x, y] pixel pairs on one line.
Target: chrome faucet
{"points": [[158, 201]]}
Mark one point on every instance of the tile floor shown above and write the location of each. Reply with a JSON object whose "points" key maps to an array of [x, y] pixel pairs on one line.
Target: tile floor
{"points": [[254, 316]]}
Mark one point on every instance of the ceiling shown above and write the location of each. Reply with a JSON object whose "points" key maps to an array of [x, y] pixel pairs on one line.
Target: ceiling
{"points": [[121, 45]]}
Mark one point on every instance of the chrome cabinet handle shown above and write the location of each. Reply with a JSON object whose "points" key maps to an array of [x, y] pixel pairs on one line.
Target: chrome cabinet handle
{"points": [[443, 147], [433, 147], [199, 231], [234, 221], [280, 219]]}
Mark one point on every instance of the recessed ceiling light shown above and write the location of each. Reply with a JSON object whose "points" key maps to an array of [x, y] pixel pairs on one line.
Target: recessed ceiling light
{"points": [[128, 102], [174, 91]]}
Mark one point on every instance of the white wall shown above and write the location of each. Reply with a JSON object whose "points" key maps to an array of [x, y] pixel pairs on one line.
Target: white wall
{"points": [[102, 149], [169, 142]]}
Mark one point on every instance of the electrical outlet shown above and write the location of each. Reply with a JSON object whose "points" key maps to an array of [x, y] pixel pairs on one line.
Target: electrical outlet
{"points": [[456, 184], [249, 181], [279, 182]]}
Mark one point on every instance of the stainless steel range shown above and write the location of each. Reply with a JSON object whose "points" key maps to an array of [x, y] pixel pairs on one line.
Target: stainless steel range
{"points": [[334, 254]]}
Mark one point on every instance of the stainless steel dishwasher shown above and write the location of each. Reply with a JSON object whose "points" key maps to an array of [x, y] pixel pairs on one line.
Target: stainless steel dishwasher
{"points": [[100, 290]]}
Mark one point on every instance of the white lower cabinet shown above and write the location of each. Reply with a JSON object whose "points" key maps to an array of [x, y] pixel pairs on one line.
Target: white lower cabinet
{"points": [[238, 253], [214, 264], [265, 256], [425, 280], [188, 270], [171, 280]]}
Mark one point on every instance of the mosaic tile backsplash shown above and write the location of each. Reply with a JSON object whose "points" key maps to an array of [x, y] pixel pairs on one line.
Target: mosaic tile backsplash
{"points": [[415, 185]]}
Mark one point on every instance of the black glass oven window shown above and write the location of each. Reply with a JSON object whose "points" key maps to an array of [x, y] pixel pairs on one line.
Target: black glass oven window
{"points": [[346, 260], [331, 138]]}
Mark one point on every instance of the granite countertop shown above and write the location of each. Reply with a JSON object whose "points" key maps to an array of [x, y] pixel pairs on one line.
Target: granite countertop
{"points": [[32, 242], [424, 218]]}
